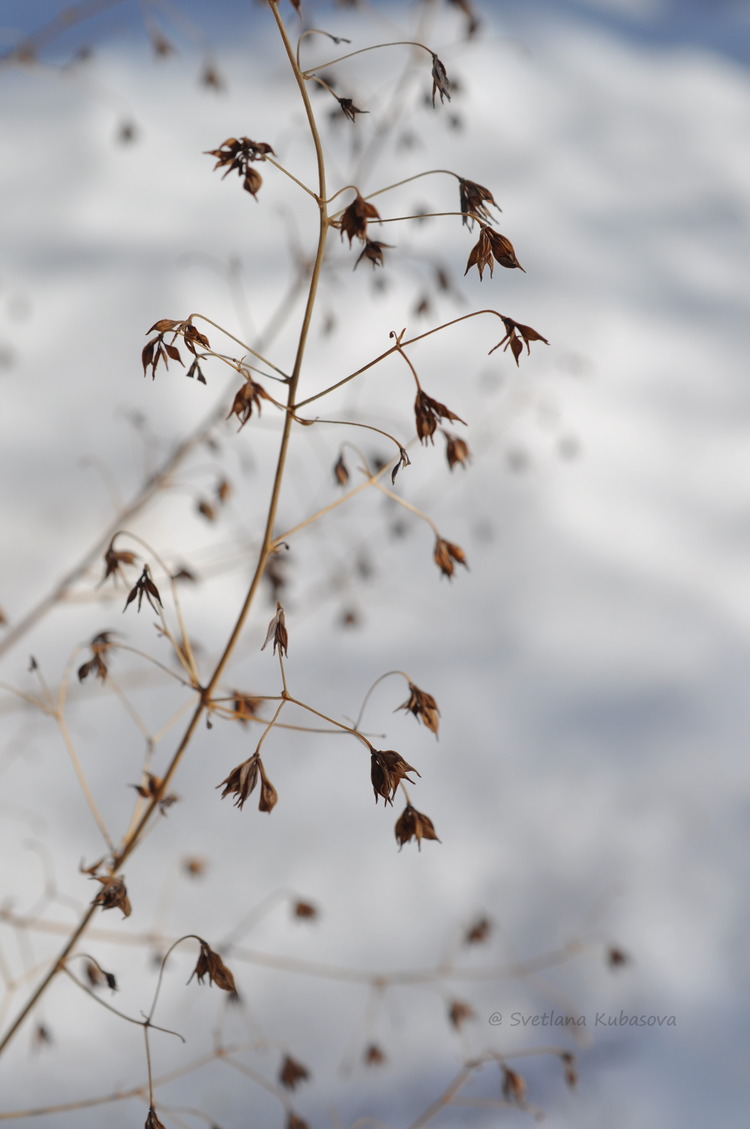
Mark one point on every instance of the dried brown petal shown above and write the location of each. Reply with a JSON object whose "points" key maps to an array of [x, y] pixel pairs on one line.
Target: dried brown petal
{"points": [[413, 824], [503, 251], [387, 770], [292, 1073], [113, 894], [445, 554], [423, 706], [210, 964]]}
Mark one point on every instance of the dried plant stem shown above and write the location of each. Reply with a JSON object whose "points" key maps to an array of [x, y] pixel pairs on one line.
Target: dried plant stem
{"points": [[132, 839], [390, 351]]}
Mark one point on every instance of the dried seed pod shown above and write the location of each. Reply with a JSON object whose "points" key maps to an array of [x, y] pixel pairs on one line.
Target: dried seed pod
{"points": [[210, 964], [413, 824]]}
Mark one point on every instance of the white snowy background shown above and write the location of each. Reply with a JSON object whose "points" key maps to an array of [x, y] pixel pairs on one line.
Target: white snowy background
{"points": [[590, 779]]}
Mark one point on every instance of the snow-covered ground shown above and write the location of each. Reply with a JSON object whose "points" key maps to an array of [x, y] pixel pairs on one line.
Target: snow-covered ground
{"points": [[590, 779]]}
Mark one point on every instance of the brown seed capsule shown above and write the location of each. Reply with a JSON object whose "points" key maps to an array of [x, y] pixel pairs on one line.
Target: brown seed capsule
{"points": [[210, 964], [456, 451], [413, 824], [474, 201], [278, 632], [305, 911], [113, 894], [427, 413], [459, 1012], [292, 1073], [373, 1055], [478, 933], [387, 770], [423, 706], [241, 780], [440, 82], [445, 554], [355, 218]]}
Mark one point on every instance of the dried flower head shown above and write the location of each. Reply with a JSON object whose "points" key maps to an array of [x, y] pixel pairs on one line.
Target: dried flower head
{"points": [[152, 1121], [475, 199], [144, 586], [268, 794], [456, 451], [349, 109], [210, 964], [514, 1087], [373, 252], [490, 246], [569, 1067], [516, 336], [151, 789], [241, 780], [616, 958], [236, 155], [427, 413], [113, 894], [305, 911], [413, 824], [479, 932], [445, 554], [440, 83], [115, 560], [97, 976], [292, 1120], [355, 218], [292, 1073], [459, 1012], [423, 706], [503, 251], [278, 632], [248, 396], [341, 471], [97, 664], [245, 707], [373, 1055], [387, 770], [403, 460]]}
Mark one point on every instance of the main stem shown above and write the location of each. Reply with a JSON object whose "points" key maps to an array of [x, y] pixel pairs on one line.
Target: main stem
{"points": [[134, 837]]}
